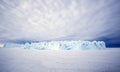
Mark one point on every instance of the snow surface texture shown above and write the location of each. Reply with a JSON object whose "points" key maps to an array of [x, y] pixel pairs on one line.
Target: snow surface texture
{"points": [[66, 45], [21, 60]]}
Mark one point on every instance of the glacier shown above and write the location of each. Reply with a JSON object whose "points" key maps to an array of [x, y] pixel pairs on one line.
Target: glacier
{"points": [[66, 45]]}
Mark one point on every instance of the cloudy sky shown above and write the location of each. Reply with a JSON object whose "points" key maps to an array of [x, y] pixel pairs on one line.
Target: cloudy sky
{"points": [[41, 20]]}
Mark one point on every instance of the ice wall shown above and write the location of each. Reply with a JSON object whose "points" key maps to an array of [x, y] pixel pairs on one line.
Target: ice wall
{"points": [[13, 45], [66, 45]]}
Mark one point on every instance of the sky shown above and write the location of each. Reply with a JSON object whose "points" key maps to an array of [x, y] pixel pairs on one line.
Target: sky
{"points": [[45, 20]]}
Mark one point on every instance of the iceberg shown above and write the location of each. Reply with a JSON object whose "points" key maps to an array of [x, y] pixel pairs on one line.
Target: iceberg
{"points": [[13, 45], [66, 45]]}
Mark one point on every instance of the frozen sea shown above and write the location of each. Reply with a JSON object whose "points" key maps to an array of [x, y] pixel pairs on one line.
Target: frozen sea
{"points": [[22, 60]]}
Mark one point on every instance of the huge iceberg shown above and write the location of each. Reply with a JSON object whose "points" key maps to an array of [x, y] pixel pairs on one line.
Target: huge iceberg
{"points": [[66, 45]]}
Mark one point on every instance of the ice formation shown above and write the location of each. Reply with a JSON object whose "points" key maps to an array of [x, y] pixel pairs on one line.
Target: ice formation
{"points": [[1, 45], [13, 45], [66, 45]]}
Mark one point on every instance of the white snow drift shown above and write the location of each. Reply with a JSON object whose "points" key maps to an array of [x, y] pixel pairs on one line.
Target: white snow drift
{"points": [[22, 60]]}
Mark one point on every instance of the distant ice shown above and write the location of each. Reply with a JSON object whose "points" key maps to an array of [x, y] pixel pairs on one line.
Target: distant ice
{"points": [[1, 45], [66, 45], [13, 45], [60, 45]]}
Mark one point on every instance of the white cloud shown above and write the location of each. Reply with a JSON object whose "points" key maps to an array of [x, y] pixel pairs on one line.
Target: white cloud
{"points": [[51, 19]]}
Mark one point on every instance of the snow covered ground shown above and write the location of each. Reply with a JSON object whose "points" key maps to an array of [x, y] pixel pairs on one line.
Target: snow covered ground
{"points": [[21, 60]]}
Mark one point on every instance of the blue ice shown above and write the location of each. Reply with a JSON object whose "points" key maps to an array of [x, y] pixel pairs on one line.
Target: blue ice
{"points": [[66, 45]]}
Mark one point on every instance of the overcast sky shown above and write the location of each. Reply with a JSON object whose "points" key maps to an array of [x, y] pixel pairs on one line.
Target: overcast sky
{"points": [[41, 20]]}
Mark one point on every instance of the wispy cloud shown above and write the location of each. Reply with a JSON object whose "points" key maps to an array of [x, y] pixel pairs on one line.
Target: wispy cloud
{"points": [[58, 19]]}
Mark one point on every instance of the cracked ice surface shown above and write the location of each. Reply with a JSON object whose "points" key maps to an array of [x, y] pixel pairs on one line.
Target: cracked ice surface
{"points": [[66, 45]]}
